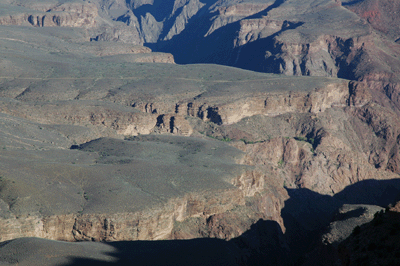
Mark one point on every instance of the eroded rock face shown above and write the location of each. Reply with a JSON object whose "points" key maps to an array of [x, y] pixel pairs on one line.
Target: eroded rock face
{"points": [[317, 157], [347, 218], [312, 133], [345, 223], [371, 240], [51, 15], [282, 37], [228, 13], [144, 201]]}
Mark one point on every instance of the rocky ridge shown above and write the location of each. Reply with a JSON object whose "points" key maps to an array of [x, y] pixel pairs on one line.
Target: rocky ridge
{"points": [[49, 14], [373, 242], [283, 37]]}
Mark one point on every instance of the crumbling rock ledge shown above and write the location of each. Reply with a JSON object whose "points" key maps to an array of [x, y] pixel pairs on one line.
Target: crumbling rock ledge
{"points": [[64, 15]]}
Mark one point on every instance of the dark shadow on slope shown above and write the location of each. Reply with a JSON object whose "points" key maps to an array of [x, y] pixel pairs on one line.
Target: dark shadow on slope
{"points": [[190, 46], [248, 55], [351, 214], [374, 243], [264, 244], [352, 2], [265, 12], [371, 192], [160, 9], [169, 252], [345, 69], [306, 213], [261, 245]]}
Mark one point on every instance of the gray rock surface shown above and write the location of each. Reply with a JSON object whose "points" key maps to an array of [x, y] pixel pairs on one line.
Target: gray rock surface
{"points": [[346, 219]]}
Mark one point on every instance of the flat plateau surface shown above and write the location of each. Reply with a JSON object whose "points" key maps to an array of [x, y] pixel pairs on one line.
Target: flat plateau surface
{"points": [[111, 175]]}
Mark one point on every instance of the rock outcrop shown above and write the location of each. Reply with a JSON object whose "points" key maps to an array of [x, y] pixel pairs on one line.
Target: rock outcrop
{"points": [[76, 14], [281, 37], [374, 242], [348, 218]]}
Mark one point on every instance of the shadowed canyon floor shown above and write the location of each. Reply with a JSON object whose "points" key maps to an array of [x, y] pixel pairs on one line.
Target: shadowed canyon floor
{"points": [[103, 140]]}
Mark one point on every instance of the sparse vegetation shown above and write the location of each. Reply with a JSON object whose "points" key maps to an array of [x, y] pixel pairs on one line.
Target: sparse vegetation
{"points": [[226, 139], [309, 140], [300, 138], [211, 136], [251, 142]]}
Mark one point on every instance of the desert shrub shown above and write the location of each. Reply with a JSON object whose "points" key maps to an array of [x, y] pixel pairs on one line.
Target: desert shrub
{"points": [[300, 138]]}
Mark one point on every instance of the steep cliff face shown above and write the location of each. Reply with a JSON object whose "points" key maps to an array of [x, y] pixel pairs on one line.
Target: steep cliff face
{"points": [[170, 115], [280, 37], [373, 242], [226, 13], [149, 224], [116, 189], [259, 193], [334, 137], [319, 157], [82, 14]]}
